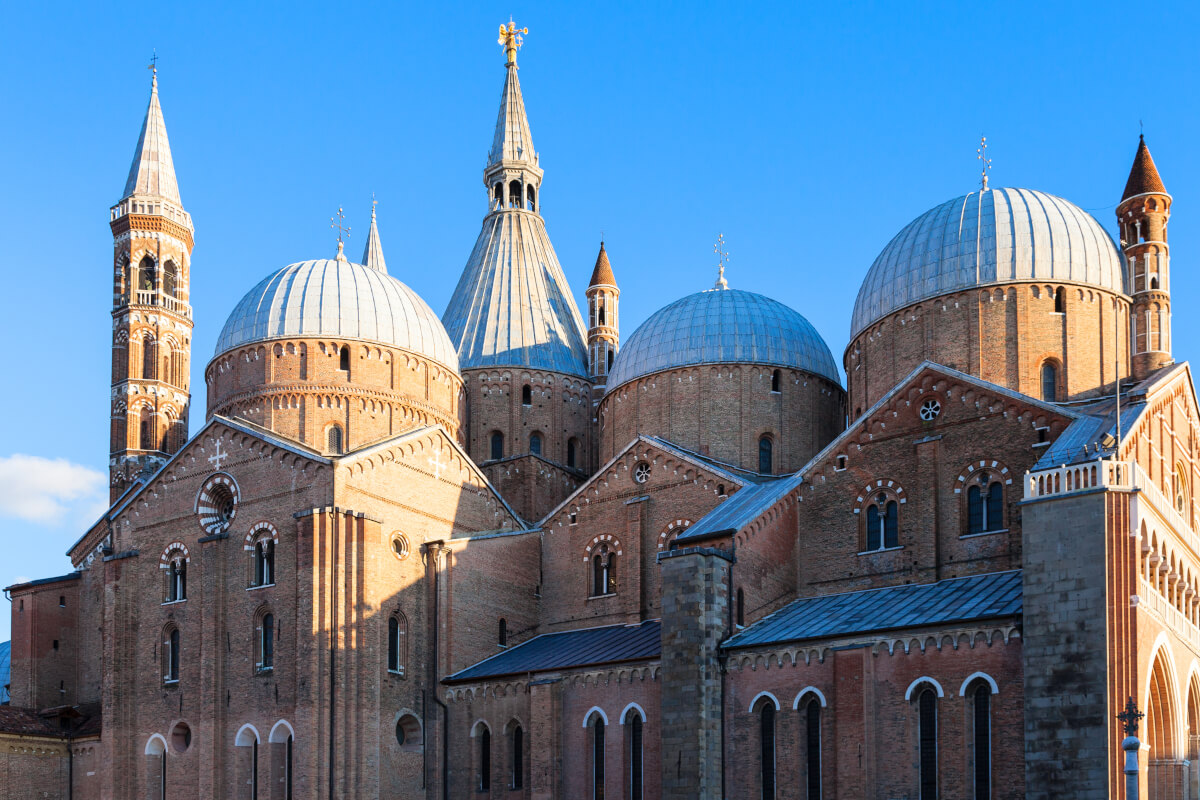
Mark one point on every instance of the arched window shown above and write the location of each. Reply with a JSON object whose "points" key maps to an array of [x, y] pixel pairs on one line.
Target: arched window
{"points": [[502, 633], [485, 760], [572, 452], [604, 571], [497, 444], [1060, 300], [1182, 498], [146, 275], [177, 579], [741, 608], [498, 195], [514, 194], [597, 727], [264, 561], [287, 769], [526, 395], [812, 748], [344, 359], [985, 504], [927, 739], [335, 439], [171, 655], [516, 747], [146, 428], [636, 755], [149, 358], [530, 201], [535, 443], [765, 447], [156, 763], [170, 279], [266, 643], [397, 643], [766, 740], [883, 523], [981, 738], [1049, 382], [611, 354], [775, 381]]}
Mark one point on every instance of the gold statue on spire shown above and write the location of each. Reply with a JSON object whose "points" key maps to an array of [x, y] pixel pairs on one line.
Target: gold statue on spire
{"points": [[511, 38]]}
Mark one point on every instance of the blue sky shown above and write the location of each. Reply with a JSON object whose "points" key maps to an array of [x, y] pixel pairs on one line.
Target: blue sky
{"points": [[808, 135]]}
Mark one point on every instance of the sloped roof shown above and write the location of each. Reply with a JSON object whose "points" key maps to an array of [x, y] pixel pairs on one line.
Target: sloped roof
{"points": [[373, 252], [1143, 175], [25, 722], [602, 275], [740, 509], [990, 596], [570, 650], [153, 171], [513, 140]]}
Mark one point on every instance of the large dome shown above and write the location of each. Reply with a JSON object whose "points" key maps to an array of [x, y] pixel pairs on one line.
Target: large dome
{"points": [[339, 299], [722, 326], [984, 238]]}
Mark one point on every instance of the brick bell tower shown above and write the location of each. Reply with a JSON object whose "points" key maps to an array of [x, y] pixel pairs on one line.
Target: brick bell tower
{"points": [[1142, 216], [152, 319], [602, 334]]}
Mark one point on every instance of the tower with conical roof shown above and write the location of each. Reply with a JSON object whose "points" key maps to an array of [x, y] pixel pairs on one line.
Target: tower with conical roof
{"points": [[519, 335], [603, 336], [152, 318], [1142, 216]]}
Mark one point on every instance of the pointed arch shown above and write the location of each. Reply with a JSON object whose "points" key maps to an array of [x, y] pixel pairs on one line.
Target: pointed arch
{"points": [[247, 735], [280, 732], [761, 696], [1162, 712]]}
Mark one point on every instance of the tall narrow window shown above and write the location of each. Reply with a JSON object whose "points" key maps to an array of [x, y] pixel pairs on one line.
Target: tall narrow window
{"points": [[171, 674], [598, 758], [397, 634], [146, 429], [266, 646], [765, 447], [497, 444], [741, 608], [170, 279], [985, 505], [812, 748], [535, 443], [485, 760], [1049, 382], [517, 769], [611, 355], [994, 507], [927, 735], [149, 359], [264, 562], [531, 204], [502, 633], [604, 571], [177, 580], [635, 756], [981, 718], [254, 770], [974, 510], [571, 452], [335, 439], [766, 728], [1060, 300], [526, 395], [287, 770], [344, 359], [146, 276], [883, 524], [775, 381]]}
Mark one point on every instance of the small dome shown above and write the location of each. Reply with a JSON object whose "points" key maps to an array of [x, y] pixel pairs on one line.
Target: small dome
{"points": [[982, 239], [339, 299], [721, 327]]}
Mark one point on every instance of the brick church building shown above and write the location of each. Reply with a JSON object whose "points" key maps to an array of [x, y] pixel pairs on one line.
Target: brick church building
{"points": [[509, 553]]}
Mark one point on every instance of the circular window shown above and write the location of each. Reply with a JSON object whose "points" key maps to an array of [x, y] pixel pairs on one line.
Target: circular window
{"points": [[216, 505], [930, 409], [408, 733], [400, 546], [181, 737], [641, 472]]}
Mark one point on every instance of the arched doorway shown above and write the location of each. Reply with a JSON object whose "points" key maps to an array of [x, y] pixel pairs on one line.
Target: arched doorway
{"points": [[1193, 734], [1165, 773]]}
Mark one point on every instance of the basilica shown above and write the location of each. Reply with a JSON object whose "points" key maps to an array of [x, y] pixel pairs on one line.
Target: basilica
{"points": [[514, 552]]}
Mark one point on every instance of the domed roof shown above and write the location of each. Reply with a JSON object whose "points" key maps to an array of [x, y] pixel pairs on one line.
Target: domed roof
{"points": [[997, 236], [721, 326], [336, 298]]}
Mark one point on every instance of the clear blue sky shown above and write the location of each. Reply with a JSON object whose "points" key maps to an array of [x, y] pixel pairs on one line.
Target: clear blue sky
{"points": [[808, 134]]}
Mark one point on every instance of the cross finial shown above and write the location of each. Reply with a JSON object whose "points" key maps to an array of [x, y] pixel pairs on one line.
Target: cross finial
{"points": [[722, 259], [1129, 718], [985, 162], [338, 222], [153, 62], [512, 38], [374, 203]]}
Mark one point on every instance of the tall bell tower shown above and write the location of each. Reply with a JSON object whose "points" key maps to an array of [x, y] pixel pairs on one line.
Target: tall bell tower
{"points": [[603, 336], [1142, 215], [152, 319]]}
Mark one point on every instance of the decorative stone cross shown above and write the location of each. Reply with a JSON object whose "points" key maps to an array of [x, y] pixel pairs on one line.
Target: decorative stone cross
{"points": [[437, 463], [217, 457]]}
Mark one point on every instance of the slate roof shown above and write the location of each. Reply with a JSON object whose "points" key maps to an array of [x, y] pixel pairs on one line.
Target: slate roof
{"points": [[152, 171], [976, 597], [570, 650], [742, 507], [1143, 175], [5, 670]]}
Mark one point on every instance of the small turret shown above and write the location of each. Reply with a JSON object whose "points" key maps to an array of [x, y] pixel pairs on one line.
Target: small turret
{"points": [[603, 335], [1142, 217], [373, 253]]}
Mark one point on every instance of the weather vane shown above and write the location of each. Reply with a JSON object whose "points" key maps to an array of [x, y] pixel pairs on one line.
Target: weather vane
{"points": [[1129, 718], [512, 38], [986, 163], [338, 221], [722, 259]]}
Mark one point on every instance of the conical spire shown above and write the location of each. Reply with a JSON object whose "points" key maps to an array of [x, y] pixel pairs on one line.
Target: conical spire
{"points": [[1143, 177], [602, 275], [373, 253], [513, 140], [153, 172]]}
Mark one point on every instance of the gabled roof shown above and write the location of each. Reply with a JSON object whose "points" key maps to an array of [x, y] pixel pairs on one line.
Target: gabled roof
{"points": [[954, 600], [373, 252], [153, 171], [662, 444], [741, 509], [1143, 175], [589, 647]]}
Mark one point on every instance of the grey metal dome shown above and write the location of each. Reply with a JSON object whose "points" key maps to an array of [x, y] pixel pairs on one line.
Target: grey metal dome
{"points": [[722, 326], [330, 297], [985, 238]]}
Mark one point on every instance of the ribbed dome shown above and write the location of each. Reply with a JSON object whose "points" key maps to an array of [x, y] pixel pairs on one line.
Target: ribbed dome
{"points": [[997, 236], [721, 327], [339, 299]]}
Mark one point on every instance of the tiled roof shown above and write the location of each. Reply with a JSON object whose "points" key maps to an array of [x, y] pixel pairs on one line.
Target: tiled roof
{"points": [[602, 275], [569, 650], [1143, 176], [741, 508], [989, 596], [26, 722]]}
